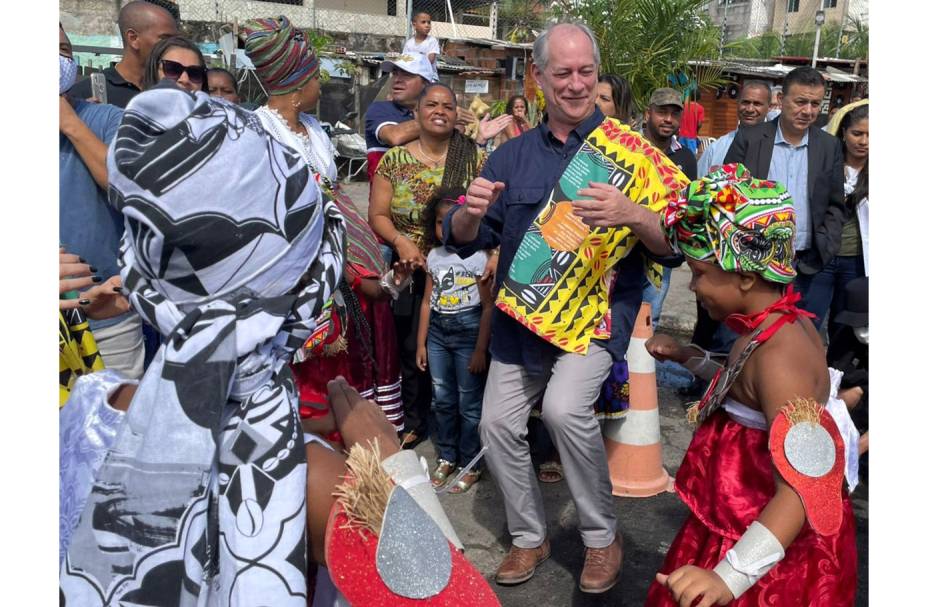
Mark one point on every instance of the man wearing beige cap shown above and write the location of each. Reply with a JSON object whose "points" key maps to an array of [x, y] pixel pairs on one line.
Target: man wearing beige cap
{"points": [[661, 124]]}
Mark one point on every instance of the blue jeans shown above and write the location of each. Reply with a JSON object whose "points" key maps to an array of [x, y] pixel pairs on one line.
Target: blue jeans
{"points": [[655, 297], [825, 292], [457, 394]]}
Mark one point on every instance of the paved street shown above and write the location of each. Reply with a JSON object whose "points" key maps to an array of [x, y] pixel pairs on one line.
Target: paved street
{"points": [[648, 525]]}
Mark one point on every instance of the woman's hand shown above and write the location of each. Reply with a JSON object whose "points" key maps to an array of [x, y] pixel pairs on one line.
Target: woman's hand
{"points": [[688, 583], [360, 420], [409, 253], [105, 300], [73, 274], [488, 129], [401, 272], [664, 347]]}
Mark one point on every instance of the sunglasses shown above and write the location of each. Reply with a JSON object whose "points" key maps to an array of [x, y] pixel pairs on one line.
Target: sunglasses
{"points": [[175, 70]]}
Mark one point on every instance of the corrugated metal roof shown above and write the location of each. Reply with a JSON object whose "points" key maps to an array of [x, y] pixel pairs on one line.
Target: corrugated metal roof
{"points": [[449, 64], [776, 71], [494, 43], [836, 75]]}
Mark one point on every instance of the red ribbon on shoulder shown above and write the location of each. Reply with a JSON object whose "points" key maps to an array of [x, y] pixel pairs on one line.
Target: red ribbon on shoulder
{"points": [[742, 324]]}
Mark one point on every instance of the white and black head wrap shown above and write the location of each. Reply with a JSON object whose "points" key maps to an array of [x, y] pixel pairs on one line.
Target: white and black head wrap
{"points": [[230, 251]]}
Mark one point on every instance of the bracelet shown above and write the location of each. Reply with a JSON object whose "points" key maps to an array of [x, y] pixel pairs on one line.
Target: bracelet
{"points": [[387, 284], [751, 558], [395, 238]]}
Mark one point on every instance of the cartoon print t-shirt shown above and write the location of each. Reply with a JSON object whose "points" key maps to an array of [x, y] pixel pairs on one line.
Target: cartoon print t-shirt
{"points": [[454, 280]]}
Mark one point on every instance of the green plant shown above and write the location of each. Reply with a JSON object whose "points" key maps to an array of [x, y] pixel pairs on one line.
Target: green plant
{"points": [[319, 41], [858, 43], [650, 42], [854, 43]]}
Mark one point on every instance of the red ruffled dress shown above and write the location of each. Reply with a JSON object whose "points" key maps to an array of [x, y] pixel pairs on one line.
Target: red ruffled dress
{"points": [[726, 479], [376, 377], [371, 365]]}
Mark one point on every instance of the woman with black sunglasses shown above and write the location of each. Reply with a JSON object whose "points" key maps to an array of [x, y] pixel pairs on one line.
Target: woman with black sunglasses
{"points": [[177, 59]]}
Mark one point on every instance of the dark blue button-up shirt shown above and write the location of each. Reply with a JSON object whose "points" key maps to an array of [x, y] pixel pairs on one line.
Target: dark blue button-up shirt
{"points": [[530, 166]]}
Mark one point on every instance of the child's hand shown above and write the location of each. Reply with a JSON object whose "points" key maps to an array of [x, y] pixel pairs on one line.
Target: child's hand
{"points": [[688, 583], [478, 362], [422, 357], [664, 347], [489, 270]]}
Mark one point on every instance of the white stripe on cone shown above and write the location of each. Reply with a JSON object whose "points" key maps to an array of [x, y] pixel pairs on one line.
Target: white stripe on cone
{"points": [[638, 357], [640, 428]]}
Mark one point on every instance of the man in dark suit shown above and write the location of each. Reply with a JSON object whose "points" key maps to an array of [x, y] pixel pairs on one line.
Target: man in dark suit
{"points": [[810, 163]]}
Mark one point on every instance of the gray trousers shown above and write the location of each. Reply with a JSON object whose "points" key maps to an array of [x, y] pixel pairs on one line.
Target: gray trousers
{"points": [[571, 386]]}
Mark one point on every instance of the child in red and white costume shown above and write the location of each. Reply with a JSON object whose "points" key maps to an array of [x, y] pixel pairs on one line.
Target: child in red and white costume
{"points": [[771, 521]]}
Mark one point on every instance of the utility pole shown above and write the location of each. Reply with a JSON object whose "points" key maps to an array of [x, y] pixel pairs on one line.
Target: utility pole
{"points": [[819, 21], [844, 12], [724, 37]]}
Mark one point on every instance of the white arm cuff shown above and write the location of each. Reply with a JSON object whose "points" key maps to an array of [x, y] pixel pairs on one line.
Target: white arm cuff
{"points": [[406, 471], [751, 558]]}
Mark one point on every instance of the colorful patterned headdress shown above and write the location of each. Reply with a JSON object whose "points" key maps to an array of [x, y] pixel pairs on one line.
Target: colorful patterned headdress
{"points": [[284, 59], [743, 224]]}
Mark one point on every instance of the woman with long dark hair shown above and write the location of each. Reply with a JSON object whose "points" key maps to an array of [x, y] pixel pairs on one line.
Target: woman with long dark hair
{"points": [[406, 179], [517, 107], [614, 98], [851, 260], [828, 288], [177, 59]]}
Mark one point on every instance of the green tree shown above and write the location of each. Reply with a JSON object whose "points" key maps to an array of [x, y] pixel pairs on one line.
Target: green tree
{"points": [[651, 42], [518, 19]]}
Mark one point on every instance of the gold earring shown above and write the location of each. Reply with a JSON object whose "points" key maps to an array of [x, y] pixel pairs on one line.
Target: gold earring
{"points": [[295, 102]]}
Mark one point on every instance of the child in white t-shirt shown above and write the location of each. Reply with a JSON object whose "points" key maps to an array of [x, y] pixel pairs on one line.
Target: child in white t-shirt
{"points": [[453, 338], [422, 42]]}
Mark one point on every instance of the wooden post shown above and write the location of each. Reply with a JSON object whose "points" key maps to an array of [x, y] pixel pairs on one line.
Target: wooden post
{"points": [[357, 97]]}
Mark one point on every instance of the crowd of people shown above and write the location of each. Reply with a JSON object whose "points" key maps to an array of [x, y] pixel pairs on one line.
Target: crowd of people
{"points": [[236, 336]]}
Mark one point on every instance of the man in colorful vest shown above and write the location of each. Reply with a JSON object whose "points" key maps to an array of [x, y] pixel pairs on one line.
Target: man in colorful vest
{"points": [[500, 209]]}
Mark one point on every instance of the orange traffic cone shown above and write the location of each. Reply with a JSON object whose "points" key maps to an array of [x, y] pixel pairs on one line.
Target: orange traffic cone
{"points": [[633, 442]]}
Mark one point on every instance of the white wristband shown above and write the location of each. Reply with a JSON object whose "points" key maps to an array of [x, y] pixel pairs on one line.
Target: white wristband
{"points": [[703, 367], [386, 282], [754, 555]]}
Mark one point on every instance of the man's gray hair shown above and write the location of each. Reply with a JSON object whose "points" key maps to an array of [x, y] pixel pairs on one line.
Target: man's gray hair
{"points": [[540, 48]]}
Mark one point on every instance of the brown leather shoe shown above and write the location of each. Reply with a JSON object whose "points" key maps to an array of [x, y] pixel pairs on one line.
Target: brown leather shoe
{"points": [[519, 565], [601, 567]]}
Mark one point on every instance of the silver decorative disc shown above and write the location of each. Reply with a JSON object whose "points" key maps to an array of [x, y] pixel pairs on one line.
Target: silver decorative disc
{"points": [[810, 449], [413, 555]]}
